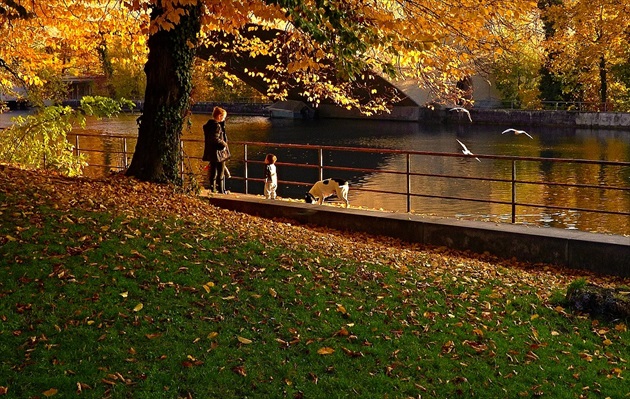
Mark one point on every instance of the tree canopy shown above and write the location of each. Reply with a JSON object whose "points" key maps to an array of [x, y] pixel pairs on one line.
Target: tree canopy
{"points": [[44, 41], [435, 42]]}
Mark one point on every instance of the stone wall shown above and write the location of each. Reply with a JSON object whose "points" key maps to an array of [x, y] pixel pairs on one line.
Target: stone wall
{"points": [[581, 119]]}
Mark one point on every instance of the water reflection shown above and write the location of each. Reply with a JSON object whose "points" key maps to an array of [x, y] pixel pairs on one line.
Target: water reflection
{"points": [[548, 142]]}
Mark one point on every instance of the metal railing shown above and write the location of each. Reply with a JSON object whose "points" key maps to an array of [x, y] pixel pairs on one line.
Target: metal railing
{"points": [[409, 171]]}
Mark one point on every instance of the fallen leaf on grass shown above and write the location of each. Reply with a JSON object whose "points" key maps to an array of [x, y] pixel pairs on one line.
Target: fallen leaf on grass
{"points": [[448, 347], [50, 392], [137, 254], [343, 332], [82, 387], [190, 364], [326, 351], [352, 353], [208, 286], [138, 307], [4, 390], [244, 340]]}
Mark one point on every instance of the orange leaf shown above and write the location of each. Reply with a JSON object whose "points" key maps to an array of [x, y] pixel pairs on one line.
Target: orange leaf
{"points": [[326, 351], [50, 392], [4, 390]]}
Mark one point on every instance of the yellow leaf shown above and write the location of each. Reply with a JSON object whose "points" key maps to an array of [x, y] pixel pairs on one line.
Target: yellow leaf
{"points": [[50, 392], [326, 351], [273, 292], [244, 340], [607, 342], [213, 335], [124, 294], [138, 307]]}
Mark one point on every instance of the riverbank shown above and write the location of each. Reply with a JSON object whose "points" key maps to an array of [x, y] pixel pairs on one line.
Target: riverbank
{"points": [[486, 116]]}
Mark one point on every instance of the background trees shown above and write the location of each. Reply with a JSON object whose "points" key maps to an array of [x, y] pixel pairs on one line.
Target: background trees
{"points": [[589, 43], [42, 42]]}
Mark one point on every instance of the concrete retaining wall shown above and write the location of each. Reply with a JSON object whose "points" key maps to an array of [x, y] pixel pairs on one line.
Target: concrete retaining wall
{"points": [[606, 254], [607, 120]]}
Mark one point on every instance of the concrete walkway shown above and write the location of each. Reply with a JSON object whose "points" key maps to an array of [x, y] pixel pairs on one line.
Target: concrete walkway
{"points": [[601, 253]]}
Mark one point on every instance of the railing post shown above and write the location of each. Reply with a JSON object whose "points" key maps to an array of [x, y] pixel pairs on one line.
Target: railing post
{"points": [[125, 160], [513, 191], [76, 145], [321, 164], [181, 157], [408, 183], [246, 175]]}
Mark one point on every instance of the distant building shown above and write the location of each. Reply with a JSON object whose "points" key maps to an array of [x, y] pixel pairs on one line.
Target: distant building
{"points": [[81, 86]]}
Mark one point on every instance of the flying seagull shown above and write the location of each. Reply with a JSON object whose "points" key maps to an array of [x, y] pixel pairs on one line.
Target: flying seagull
{"points": [[460, 109], [466, 151], [517, 132]]}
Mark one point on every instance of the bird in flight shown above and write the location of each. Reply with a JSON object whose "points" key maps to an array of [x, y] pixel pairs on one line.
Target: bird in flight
{"points": [[460, 109], [517, 132], [466, 151]]}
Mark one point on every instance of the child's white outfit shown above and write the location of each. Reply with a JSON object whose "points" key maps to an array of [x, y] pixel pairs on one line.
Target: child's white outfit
{"points": [[271, 181]]}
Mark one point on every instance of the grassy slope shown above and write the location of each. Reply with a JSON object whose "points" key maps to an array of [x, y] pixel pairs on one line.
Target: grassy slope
{"points": [[124, 289]]}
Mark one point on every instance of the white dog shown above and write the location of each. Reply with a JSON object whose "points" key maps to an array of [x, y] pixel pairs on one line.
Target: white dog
{"points": [[325, 188]]}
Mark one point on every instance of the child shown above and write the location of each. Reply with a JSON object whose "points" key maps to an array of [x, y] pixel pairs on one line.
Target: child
{"points": [[271, 177]]}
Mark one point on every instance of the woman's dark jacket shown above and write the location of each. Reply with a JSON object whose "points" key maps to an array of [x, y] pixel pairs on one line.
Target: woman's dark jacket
{"points": [[215, 139]]}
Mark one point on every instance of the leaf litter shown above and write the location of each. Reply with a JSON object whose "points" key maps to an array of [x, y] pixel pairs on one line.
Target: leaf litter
{"points": [[418, 266]]}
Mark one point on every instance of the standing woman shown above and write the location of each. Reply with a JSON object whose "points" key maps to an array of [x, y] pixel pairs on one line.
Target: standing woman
{"points": [[216, 149]]}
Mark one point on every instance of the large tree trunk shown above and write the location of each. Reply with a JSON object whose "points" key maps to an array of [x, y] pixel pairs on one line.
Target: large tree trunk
{"points": [[167, 99]]}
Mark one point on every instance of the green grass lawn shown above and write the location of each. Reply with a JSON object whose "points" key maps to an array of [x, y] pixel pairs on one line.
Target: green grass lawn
{"points": [[124, 290]]}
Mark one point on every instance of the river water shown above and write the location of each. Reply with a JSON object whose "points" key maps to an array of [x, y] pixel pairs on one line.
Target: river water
{"points": [[547, 142]]}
